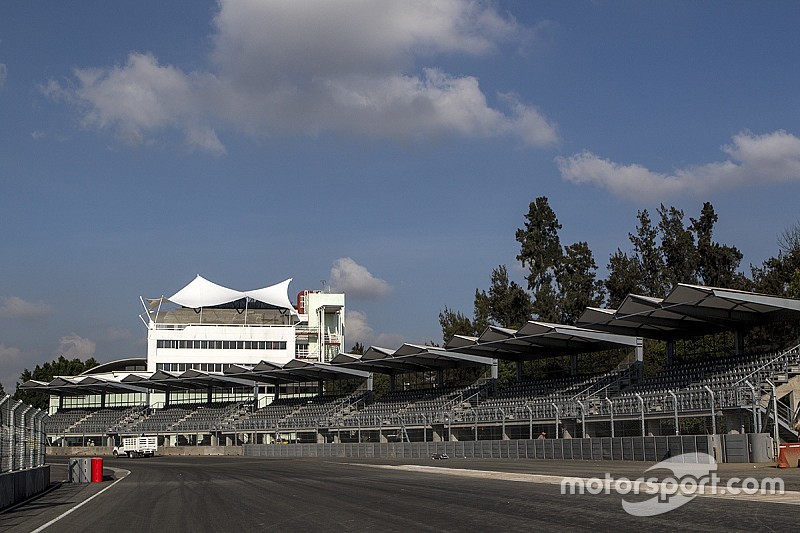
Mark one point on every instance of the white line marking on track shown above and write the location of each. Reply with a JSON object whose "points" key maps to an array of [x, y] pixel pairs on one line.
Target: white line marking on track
{"points": [[84, 502], [787, 497]]}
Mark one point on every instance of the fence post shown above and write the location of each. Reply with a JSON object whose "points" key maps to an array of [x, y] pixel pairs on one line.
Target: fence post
{"points": [[713, 412], [3, 433], [756, 425], [641, 407], [558, 413], [776, 435], [611, 413], [675, 411], [530, 421], [32, 446], [42, 437], [12, 426]]}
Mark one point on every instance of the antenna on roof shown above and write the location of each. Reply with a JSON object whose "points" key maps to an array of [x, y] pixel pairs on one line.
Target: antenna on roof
{"points": [[323, 284]]}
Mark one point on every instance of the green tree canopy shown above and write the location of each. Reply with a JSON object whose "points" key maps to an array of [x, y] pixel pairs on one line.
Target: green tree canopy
{"points": [[577, 282], [541, 253], [357, 349], [46, 372], [672, 253]]}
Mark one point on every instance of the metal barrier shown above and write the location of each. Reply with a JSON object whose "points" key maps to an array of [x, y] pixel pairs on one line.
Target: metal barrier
{"points": [[597, 449], [22, 436]]}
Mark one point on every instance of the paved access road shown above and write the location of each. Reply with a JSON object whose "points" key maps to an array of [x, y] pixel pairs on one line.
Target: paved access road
{"points": [[178, 494]]}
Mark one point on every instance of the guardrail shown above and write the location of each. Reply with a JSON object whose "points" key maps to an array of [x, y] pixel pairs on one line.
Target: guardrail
{"points": [[22, 436]]}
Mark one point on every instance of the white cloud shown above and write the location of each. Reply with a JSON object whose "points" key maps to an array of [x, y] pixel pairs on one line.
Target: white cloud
{"points": [[359, 330], [115, 334], [17, 308], [72, 346], [356, 281], [12, 362], [3, 74], [355, 67], [753, 159]]}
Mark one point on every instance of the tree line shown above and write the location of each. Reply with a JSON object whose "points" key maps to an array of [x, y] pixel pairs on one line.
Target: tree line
{"points": [[663, 251], [46, 372]]}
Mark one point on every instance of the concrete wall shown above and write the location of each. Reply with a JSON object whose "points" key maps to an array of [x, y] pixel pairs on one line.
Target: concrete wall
{"points": [[199, 450], [107, 451], [597, 449], [18, 486], [79, 451]]}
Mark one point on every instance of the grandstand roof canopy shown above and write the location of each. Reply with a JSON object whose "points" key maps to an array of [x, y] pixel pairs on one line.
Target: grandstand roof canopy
{"points": [[203, 293], [690, 311], [130, 364], [537, 340], [81, 385], [293, 372], [408, 358]]}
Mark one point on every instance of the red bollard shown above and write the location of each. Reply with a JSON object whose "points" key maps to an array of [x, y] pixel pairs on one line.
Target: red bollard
{"points": [[97, 469]]}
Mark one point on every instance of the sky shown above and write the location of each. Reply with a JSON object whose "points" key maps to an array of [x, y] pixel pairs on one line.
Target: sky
{"points": [[385, 149]]}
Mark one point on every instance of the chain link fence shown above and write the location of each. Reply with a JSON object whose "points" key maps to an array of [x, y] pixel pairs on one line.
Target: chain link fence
{"points": [[22, 435]]}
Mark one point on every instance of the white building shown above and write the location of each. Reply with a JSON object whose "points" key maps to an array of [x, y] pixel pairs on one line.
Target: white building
{"points": [[215, 327]]}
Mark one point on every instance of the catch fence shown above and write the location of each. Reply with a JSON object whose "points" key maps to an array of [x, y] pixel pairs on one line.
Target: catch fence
{"points": [[22, 435]]}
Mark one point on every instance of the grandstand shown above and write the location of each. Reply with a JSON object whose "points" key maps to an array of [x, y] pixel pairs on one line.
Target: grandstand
{"points": [[733, 390]]}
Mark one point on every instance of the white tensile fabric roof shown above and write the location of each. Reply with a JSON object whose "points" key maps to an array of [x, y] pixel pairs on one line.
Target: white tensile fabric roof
{"points": [[277, 295], [203, 293]]}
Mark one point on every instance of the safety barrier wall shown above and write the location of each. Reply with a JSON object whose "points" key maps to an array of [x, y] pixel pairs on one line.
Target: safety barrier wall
{"points": [[20, 485], [597, 449], [22, 445]]}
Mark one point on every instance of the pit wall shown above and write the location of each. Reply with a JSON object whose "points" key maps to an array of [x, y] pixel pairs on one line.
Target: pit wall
{"points": [[22, 484], [596, 449], [752, 447]]}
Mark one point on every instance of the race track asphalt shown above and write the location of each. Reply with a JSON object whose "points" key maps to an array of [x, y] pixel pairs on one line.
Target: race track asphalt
{"points": [[197, 494]]}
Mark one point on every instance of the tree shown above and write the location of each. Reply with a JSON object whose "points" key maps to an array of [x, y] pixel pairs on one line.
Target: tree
{"points": [[789, 239], [779, 275], [677, 248], [480, 315], [509, 305], [46, 372], [506, 304], [717, 264], [541, 253], [357, 349], [648, 257], [576, 277], [624, 277], [455, 323], [673, 253]]}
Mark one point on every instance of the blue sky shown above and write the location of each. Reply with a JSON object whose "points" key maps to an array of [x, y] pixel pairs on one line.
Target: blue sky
{"points": [[388, 148]]}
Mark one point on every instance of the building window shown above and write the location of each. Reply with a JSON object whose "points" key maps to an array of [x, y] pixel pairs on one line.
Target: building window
{"points": [[220, 345]]}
